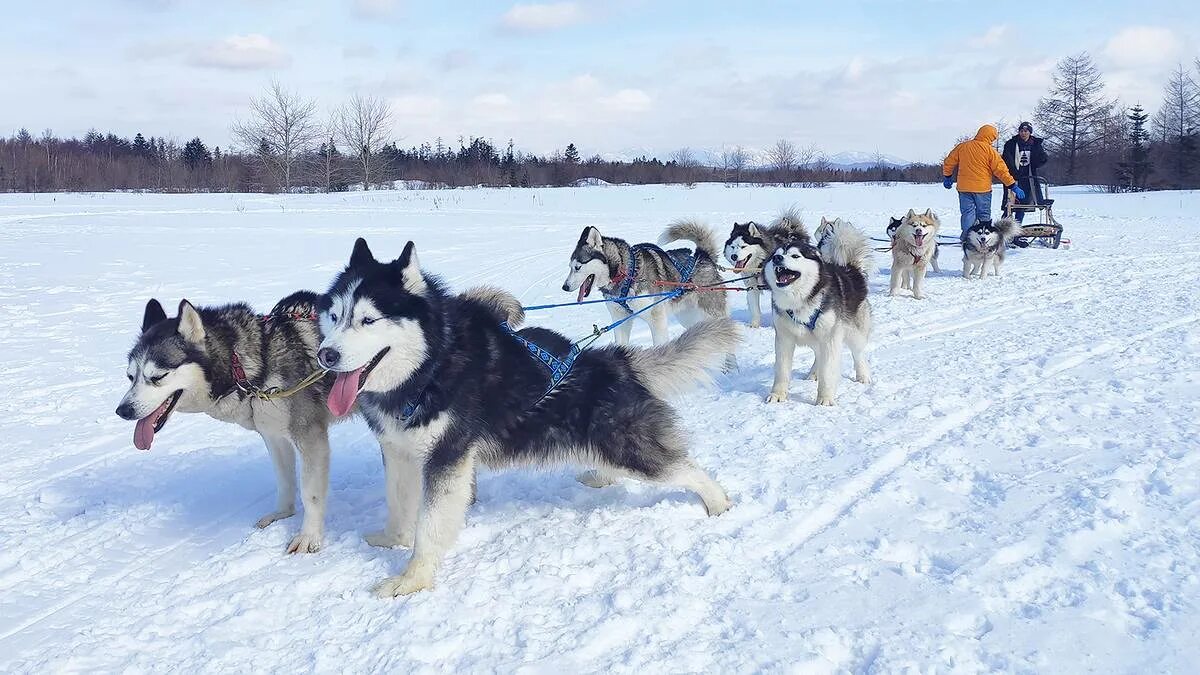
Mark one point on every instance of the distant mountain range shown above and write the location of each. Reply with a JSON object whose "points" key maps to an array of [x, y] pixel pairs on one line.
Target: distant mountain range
{"points": [[758, 157]]}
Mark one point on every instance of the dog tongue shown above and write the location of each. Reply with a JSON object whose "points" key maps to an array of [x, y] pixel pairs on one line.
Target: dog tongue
{"points": [[584, 289], [143, 433], [920, 239], [344, 391]]}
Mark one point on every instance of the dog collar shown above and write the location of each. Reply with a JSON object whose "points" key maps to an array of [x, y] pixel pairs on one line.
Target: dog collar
{"points": [[810, 324]]}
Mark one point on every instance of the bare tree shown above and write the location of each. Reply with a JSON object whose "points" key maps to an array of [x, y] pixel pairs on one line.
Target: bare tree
{"points": [[1177, 122], [782, 157], [733, 162], [1071, 116], [364, 125], [281, 129], [684, 158]]}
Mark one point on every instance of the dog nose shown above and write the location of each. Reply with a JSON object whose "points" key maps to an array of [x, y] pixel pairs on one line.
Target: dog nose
{"points": [[125, 411], [328, 357], [566, 288], [777, 259]]}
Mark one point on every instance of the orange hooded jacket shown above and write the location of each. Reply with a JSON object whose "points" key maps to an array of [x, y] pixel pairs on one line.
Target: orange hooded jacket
{"points": [[977, 161]]}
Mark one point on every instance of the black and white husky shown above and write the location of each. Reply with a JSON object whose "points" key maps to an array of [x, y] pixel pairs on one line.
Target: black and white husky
{"points": [[445, 385], [822, 303], [748, 247], [984, 244], [622, 270], [195, 362]]}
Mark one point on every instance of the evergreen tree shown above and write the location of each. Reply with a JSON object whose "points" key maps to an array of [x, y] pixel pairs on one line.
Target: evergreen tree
{"points": [[196, 155], [140, 147], [1134, 171], [571, 154]]}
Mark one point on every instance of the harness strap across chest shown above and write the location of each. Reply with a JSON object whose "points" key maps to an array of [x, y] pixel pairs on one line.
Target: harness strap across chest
{"points": [[683, 262], [810, 323]]}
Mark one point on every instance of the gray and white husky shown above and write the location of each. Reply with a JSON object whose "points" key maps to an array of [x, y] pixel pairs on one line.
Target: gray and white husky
{"points": [[621, 270], [445, 386], [914, 247], [188, 363], [984, 244], [748, 247], [822, 303]]}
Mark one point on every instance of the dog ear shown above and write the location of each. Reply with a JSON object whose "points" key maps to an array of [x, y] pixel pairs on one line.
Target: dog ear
{"points": [[928, 212], [361, 255], [190, 325], [825, 221], [154, 314], [752, 228], [911, 213], [591, 237], [410, 270]]}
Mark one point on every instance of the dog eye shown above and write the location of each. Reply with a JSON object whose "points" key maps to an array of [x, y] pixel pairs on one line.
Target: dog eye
{"points": [[157, 379], [795, 255], [333, 318], [129, 376], [367, 321]]}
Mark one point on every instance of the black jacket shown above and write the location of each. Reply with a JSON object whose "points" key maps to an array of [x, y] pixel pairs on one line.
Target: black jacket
{"points": [[1033, 152]]}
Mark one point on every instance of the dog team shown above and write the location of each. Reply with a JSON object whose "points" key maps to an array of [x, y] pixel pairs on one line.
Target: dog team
{"points": [[450, 381]]}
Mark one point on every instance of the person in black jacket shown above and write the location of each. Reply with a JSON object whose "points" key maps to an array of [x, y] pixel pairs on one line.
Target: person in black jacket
{"points": [[1024, 155]]}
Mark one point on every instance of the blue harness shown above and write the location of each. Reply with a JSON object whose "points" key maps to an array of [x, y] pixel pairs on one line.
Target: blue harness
{"points": [[558, 367], [681, 259], [810, 324]]}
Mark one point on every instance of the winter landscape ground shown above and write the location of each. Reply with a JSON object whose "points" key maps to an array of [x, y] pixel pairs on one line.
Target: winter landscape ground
{"points": [[1019, 490]]}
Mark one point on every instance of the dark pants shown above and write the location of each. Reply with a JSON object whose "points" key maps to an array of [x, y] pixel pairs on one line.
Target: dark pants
{"points": [[1033, 195]]}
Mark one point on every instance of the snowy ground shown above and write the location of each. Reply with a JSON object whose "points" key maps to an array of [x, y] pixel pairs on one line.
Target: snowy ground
{"points": [[1018, 491]]}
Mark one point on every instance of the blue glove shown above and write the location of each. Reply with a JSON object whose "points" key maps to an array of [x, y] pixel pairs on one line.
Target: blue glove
{"points": [[948, 182], [1018, 192]]}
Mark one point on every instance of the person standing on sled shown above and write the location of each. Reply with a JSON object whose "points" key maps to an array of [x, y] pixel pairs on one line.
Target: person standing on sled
{"points": [[977, 161], [1024, 155]]}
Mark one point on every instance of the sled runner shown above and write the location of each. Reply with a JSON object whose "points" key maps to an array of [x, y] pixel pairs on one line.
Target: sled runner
{"points": [[1048, 231]]}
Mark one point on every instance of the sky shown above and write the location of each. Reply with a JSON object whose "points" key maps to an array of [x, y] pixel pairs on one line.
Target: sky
{"points": [[616, 78]]}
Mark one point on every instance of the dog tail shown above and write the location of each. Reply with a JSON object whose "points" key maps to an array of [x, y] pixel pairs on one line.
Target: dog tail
{"points": [[849, 247], [1008, 228], [699, 234], [500, 302], [680, 365]]}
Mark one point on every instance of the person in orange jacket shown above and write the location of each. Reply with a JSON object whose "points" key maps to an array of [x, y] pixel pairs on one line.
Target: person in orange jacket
{"points": [[977, 161]]}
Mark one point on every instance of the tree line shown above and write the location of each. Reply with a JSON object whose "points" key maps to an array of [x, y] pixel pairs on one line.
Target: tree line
{"points": [[285, 144]]}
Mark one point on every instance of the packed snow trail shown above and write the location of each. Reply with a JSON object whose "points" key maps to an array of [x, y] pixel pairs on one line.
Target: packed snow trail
{"points": [[1019, 489]]}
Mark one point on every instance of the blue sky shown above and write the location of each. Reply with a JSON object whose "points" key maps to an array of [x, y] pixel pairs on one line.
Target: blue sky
{"points": [[902, 78]]}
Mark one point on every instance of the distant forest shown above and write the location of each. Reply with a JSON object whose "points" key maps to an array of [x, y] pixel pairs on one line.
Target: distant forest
{"points": [[285, 145]]}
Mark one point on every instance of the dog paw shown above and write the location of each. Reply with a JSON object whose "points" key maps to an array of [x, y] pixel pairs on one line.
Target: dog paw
{"points": [[811, 376], [385, 540], [825, 400], [862, 378], [774, 397], [272, 517], [305, 543], [595, 479], [404, 584], [756, 323], [718, 505]]}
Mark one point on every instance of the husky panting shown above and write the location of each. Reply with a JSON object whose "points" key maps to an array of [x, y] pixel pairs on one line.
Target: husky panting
{"points": [[821, 303], [620, 270], [914, 247], [445, 384], [218, 360], [984, 245], [906, 281], [748, 247]]}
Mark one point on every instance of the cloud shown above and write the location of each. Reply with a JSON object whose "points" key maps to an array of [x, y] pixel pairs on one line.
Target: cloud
{"points": [[994, 37], [534, 18], [241, 52], [1143, 46], [359, 52], [375, 9], [455, 59], [627, 101]]}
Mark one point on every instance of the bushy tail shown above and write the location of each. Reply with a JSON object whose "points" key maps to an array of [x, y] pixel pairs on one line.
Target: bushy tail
{"points": [[789, 226], [1008, 228], [503, 304], [689, 230], [686, 362], [849, 247]]}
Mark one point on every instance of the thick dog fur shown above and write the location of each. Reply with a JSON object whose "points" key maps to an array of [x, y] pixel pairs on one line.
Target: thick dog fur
{"points": [[820, 304], [913, 249], [188, 359], [598, 260], [984, 245], [906, 282], [750, 245], [445, 387]]}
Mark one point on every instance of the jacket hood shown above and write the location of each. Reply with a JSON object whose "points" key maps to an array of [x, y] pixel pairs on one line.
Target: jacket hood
{"points": [[987, 133]]}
